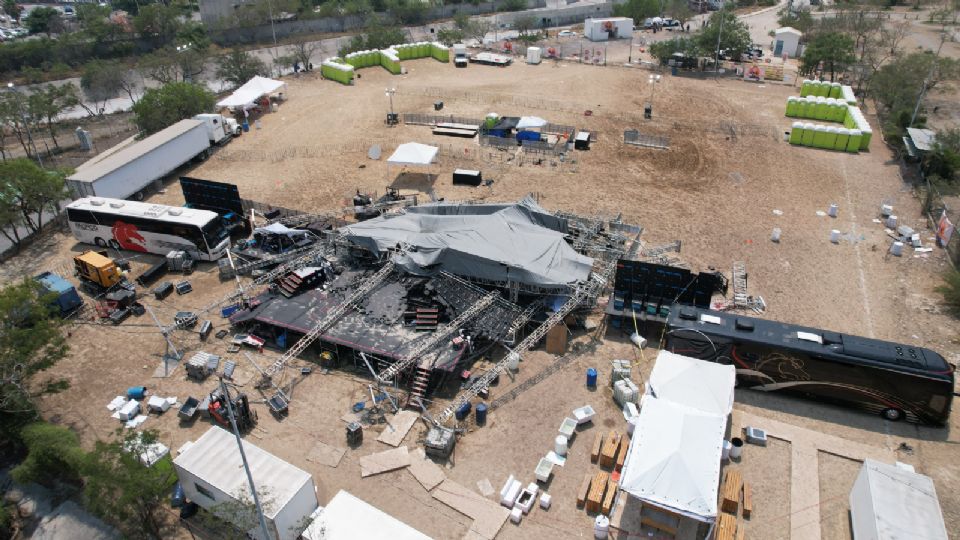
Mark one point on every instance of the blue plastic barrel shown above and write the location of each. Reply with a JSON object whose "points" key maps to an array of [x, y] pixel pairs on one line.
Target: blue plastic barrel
{"points": [[229, 310], [463, 411], [178, 498], [136, 392], [481, 414], [246, 126], [591, 377]]}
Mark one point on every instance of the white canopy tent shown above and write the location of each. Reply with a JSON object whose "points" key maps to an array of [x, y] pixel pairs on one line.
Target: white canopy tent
{"points": [[888, 502], [674, 459], [531, 122], [412, 153], [246, 95], [704, 386], [347, 517]]}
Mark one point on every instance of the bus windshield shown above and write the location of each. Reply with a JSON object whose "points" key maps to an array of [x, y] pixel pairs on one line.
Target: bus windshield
{"points": [[214, 233]]}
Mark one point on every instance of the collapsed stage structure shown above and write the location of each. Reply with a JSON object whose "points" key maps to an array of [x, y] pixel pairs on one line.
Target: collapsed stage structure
{"points": [[421, 292]]}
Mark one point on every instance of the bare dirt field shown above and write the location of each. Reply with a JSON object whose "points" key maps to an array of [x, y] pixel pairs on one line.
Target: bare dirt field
{"points": [[716, 188]]}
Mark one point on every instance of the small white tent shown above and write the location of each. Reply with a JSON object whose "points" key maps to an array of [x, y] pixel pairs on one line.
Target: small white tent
{"points": [[674, 459], [347, 517], [413, 154], [247, 94], [704, 386], [888, 502]]}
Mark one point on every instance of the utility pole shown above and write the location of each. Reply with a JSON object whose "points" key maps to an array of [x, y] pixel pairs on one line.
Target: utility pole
{"points": [[716, 60], [273, 29], [933, 66], [243, 457]]}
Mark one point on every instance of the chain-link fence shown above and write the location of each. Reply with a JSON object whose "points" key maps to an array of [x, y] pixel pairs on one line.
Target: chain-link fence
{"points": [[434, 119], [935, 208], [635, 138]]}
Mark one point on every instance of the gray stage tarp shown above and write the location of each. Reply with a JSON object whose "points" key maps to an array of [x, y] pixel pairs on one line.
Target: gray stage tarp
{"points": [[519, 242]]}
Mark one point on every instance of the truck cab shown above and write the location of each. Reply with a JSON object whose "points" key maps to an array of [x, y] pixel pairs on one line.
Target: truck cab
{"points": [[67, 300], [219, 128], [98, 272]]}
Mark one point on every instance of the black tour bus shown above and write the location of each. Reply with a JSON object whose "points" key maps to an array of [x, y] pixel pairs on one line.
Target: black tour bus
{"points": [[892, 379]]}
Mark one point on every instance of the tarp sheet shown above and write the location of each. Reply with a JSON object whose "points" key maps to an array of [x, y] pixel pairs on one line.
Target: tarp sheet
{"points": [[698, 384], [674, 459], [249, 92], [519, 242], [891, 503], [278, 228], [530, 122], [412, 153]]}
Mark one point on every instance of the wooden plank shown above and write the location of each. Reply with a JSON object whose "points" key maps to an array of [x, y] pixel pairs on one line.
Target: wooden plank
{"points": [[488, 516], [730, 493], [397, 427], [425, 471], [622, 453], [741, 533], [608, 452], [557, 340], [384, 461], [726, 526], [598, 487], [597, 443], [608, 498], [747, 500], [584, 489]]}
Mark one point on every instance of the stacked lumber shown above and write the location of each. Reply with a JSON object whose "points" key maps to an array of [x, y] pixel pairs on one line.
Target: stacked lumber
{"points": [[607, 505], [608, 452], [730, 491], [726, 526], [595, 451], [584, 489], [747, 501], [622, 453], [598, 488]]}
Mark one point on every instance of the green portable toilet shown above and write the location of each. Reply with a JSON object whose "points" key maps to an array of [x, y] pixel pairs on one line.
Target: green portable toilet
{"points": [[365, 60], [796, 133], [831, 140], [867, 133], [843, 137], [836, 91], [853, 143], [801, 107], [807, 138], [820, 110], [848, 121], [811, 107], [823, 89], [838, 111], [820, 136], [424, 49], [805, 88], [491, 120], [791, 107]]}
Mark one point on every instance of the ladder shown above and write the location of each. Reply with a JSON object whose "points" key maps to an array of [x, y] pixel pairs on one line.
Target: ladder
{"points": [[740, 296], [420, 382], [658, 251], [586, 290], [436, 338], [556, 366], [524, 318], [330, 319]]}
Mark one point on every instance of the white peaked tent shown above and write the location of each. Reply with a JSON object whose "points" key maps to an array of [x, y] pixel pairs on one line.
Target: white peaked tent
{"points": [[530, 122], [888, 502], [704, 386], [412, 153], [250, 92], [674, 459]]}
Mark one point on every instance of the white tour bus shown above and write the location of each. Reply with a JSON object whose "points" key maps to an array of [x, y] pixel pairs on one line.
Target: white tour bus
{"points": [[148, 228]]}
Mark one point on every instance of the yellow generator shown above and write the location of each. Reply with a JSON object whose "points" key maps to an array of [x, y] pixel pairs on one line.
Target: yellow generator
{"points": [[97, 273]]}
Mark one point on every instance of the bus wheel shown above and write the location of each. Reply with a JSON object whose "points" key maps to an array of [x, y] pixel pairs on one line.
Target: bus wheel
{"points": [[115, 245], [891, 414], [138, 196], [100, 242]]}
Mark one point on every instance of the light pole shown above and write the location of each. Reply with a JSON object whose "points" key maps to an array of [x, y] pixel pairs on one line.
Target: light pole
{"points": [[716, 60], [654, 79], [243, 458], [391, 118], [26, 124]]}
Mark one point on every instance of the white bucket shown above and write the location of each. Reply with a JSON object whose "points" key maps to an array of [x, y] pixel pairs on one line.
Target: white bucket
{"points": [[513, 361], [835, 236], [832, 211], [886, 210], [560, 445], [601, 527], [891, 222], [736, 448], [725, 452], [775, 235], [638, 340], [896, 249]]}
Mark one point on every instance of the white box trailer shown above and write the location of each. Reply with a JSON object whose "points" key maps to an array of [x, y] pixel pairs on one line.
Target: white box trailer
{"points": [[608, 28], [211, 473], [127, 169]]}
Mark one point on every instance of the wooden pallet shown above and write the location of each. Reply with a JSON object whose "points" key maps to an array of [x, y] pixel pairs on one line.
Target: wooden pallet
{"points": [[622, 453], [597, 443], [584, 489], [747, 500], [608, 452], [730, 491], [608, 498], [598, 487], [726, 526]]}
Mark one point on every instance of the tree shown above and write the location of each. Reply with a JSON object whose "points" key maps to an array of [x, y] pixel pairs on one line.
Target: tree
{"points": [[478, 29], [53, 455], [512, 5], [897, 85], [49, 102], [237, 67], [30, 342], [158, 22], [832, 50], [524, 23], [680, 10], [408, 11], [45, 20], [302, 51], [733, 33], [944, 159], [638, 10], [124, 492], [449, 36], [799, 19], [11, 8], [103, 80], [36, 190], [376, 36], [172, 102], [183, 63], [663, 50]]}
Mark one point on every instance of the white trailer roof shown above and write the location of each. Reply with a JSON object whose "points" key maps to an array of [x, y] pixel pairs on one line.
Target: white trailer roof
{"points": [[704, 386], [97, 168], [215, 459], [251, 91], [892, 503], [674, 459], [347, 517]]}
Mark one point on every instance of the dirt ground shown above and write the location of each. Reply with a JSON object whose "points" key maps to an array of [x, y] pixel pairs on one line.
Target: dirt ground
{"points": [[716, 188]]}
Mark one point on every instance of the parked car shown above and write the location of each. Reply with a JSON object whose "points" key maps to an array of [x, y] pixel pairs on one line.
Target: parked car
{"points": [[68, 11], [670, 23], [566, 33]]}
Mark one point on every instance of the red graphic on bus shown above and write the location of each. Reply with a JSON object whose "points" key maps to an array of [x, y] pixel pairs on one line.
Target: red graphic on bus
{"points": [[127, 236]]}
